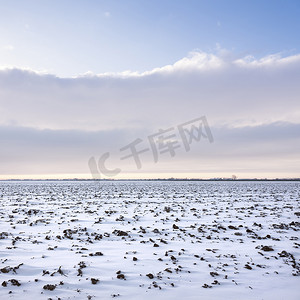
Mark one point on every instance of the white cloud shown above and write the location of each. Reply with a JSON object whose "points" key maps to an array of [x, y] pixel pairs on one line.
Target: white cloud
{"points": [[194, 61], [274, 60], [51, 124], [107, 14], [202, 61], [227, 90]]}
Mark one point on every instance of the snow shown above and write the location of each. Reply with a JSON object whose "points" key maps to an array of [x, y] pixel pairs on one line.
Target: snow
{"points": [[211, 239]]}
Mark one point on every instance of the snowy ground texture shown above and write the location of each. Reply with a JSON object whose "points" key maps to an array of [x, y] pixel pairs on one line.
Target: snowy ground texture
{"points": [[140, 240]]}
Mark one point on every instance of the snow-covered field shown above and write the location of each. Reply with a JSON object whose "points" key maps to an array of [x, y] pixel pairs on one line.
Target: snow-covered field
{"points": [[145, 240]]}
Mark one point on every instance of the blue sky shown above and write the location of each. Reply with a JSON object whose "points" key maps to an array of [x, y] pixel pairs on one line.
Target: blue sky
{"points": [[79, 79], [68, 38]]}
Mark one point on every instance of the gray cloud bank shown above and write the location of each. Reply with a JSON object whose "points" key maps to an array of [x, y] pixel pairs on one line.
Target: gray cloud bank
{"points": [[250, 148], [53, 125]]}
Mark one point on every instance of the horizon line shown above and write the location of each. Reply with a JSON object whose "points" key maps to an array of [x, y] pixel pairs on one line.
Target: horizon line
{"points": [[155, 179]]}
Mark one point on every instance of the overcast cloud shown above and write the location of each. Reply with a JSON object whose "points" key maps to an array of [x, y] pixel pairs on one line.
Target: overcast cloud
{"points": [[251, 105]]}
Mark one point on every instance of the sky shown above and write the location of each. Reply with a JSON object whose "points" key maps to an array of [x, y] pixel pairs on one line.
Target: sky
{"points": [[83, 84]]}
